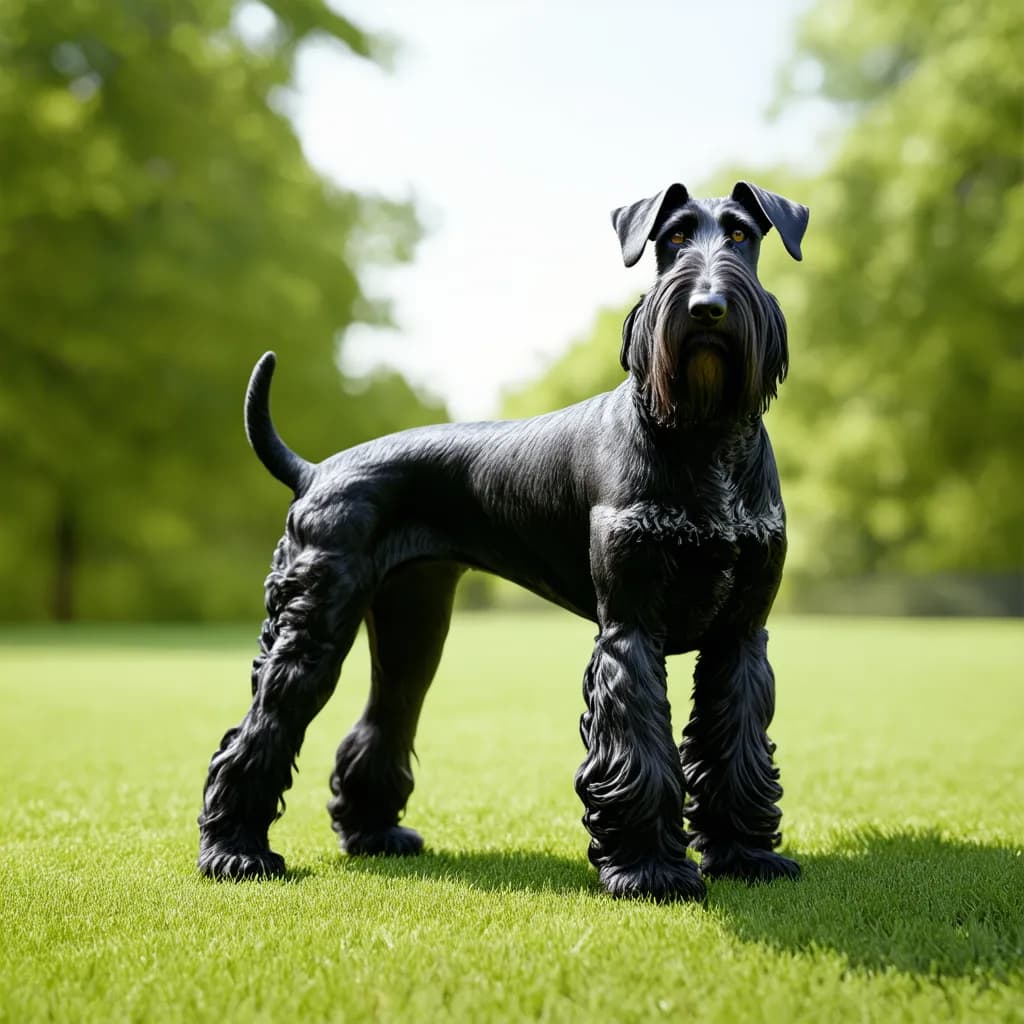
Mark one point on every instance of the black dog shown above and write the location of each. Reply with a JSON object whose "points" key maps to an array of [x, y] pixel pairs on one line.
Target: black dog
{"points": [[653, 510]]}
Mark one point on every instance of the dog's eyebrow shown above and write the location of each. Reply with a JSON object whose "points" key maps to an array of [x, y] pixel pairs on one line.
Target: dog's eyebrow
{"points": [[684, 219], [733, 218]]}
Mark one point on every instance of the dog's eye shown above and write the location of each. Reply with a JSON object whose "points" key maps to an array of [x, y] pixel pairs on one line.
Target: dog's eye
{"points": [[737, 235], [678, 238]]}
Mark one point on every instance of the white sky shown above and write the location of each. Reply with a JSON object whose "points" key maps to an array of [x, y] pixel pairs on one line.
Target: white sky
{"points": [[516, 127]]}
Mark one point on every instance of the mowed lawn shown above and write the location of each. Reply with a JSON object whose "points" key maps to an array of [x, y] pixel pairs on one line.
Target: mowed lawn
{"points": [[901, 745]]}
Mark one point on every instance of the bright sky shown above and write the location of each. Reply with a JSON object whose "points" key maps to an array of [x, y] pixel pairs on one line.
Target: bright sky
{"points": [[516, 126]]}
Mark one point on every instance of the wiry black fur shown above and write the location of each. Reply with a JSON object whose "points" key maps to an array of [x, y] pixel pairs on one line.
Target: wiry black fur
{"points": [[653, 510]]}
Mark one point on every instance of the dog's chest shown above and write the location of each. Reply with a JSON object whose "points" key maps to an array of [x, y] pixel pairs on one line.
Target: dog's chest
{"points": [[717, 527], [690, 558]]}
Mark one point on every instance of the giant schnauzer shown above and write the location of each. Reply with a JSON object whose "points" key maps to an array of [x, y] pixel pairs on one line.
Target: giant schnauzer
{"points": [[652, 510]]}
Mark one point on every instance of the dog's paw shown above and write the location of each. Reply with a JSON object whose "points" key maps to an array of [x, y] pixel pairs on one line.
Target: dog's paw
{"points": [[222, 862], [662, 881], [396, 841], [730, 860]]}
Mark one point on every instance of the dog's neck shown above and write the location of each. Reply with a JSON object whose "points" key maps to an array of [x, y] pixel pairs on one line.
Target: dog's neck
{"points": [[725, 439]]}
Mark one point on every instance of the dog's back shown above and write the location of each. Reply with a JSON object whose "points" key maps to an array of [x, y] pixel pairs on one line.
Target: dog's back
{"points": [[470, 493]]}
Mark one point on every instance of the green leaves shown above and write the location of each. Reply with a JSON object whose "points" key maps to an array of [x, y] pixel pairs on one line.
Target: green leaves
{"points": [[159, 229], [912, 380]]}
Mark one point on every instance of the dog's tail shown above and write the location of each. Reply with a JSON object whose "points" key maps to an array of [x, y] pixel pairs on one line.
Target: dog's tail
{"points": [[280, 460]]}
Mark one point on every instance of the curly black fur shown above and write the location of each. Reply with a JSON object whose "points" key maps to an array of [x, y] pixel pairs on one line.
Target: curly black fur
{"points": [[653, 510]]}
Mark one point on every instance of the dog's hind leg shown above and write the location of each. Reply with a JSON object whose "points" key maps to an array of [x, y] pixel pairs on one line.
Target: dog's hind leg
{"points": [[407, 625], [314, 606], [726, 755]]}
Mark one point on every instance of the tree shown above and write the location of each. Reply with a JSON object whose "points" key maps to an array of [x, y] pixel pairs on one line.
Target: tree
{"points": [[159, 229], [910, 395]]}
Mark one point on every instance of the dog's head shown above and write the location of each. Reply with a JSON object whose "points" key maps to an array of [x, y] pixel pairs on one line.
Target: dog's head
{"points": [[707, 342]]}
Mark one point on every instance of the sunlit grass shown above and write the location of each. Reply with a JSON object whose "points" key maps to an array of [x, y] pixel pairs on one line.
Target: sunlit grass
{"points": [[901, 750]]}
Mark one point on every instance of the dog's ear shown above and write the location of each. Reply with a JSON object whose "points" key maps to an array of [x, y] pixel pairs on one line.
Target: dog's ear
{"points": [[769, 210], [639, 222], [627, 333]]}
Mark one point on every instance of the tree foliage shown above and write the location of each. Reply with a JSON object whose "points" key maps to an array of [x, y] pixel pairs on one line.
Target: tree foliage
{"points": [[159, 229], [899, 430], [911, 384]]}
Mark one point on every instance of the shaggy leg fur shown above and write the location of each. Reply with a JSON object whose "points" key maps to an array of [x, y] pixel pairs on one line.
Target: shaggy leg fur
{"points": [[312, 618], [372, 779], [631, 783], [727, 761]]}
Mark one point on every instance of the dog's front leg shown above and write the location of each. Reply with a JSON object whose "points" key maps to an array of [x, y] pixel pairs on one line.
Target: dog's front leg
{"points": [[726, 754], [631, 782]]}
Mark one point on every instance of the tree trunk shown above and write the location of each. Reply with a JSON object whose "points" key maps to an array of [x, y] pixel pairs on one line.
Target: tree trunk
{"points": [[65, 563]]}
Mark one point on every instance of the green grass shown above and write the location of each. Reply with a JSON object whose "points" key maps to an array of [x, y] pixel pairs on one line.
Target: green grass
{"points": [[902, 751]]}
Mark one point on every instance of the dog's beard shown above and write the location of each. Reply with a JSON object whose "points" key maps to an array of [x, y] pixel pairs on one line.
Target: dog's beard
{"points": [[692, 375], [703, 381]]}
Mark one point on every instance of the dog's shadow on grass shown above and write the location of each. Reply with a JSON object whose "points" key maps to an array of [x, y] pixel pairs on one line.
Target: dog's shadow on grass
{"points": [[485, 870], [911, 901]]}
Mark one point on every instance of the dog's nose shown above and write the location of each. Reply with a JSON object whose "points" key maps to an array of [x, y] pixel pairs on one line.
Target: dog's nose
{"points": [[707, 308]]}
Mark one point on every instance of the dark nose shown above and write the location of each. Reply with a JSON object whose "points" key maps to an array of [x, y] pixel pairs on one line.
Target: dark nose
{"points": [[707, 307]]}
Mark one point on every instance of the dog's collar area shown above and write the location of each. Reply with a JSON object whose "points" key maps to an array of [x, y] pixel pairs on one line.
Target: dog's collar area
{"points": [[685, 433]]}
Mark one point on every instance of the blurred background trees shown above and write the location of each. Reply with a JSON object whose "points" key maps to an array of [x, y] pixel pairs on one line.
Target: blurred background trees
{"points": [[910, 370], [159, 229], [900, 433]]}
